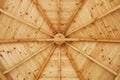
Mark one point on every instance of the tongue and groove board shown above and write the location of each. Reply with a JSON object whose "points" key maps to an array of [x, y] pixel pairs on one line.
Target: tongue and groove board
{"points": [[32, 48]]}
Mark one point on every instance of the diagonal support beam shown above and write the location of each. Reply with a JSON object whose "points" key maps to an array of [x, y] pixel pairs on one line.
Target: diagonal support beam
{"points": [[45, 63], [25, 22], [26, 59], [42, 12], [79, 73], [93, 20], [73, 15], [92, 59], [59, 66], [59, 16]]}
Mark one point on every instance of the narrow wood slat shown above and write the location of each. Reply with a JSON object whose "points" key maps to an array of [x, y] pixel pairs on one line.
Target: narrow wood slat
{"points": [[24, 40], [94, 40], [45, 63], [92, 59], [25, 22], [110, 11], [52, 39], [59, 16], [93, 20], [59, 66], [26, 59], [79, 73], [2, 76], [73, 15], [42, 12]]}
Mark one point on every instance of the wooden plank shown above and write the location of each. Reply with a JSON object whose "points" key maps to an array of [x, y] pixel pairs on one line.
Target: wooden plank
{"points": [[93, 20], [25, 22], [79, 73], [2, 76], [52, 39], [92, 59], [59, 16], [110, 11], [59, 66], [45, 63], [73, 15], [26, 59], [94, 40], [42, 12], [24, 40]]}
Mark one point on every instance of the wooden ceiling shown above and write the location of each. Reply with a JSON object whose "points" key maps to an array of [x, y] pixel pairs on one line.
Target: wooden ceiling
{"points": [[59, 39]]}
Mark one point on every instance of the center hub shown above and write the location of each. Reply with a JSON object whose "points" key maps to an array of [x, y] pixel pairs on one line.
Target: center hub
{"points": [[59, 39]]}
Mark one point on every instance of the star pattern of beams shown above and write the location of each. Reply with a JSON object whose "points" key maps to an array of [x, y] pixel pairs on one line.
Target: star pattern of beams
{"points": [[59, 39]]}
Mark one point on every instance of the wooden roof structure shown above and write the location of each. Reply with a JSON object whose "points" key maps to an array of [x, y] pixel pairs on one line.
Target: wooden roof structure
{"points": [[59, 39]]}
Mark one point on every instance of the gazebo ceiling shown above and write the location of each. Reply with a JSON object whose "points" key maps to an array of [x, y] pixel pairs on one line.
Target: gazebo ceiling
{"points": [[60, 39]]}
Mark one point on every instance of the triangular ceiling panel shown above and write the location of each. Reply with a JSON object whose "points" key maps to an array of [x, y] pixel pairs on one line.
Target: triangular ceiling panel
{"points": [[67, 69], [51, 71], [26, 63]]}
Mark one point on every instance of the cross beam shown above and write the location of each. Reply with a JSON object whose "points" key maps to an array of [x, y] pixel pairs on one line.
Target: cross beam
{"points": [[79, 73], [25, 22], [59, 16], [93, 20], [26, 59], [74, 15], [42, 12], [92, 59], [45, 63]]}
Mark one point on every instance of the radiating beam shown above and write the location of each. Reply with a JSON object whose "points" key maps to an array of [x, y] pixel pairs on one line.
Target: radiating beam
{"points": [[42, 12], [79, 73], [93, 20], [94, 40], [24, 40], [59, 66], [92, 59], [73, 15], [45, 63], [52, 40], [2, 76], [59, 16], [25, 22], [26, 59]]}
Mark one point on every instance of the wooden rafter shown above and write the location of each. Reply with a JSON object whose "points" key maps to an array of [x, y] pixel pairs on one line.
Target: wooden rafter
{"points": [[59, 16], [73, 15], [92, 59], [2, 76], [24, 40], [45, 63], [42, 12], [94, 40], [93, 20], [25, 22], [79, 73], [26, 59], [52, 40], [59, 66]]}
